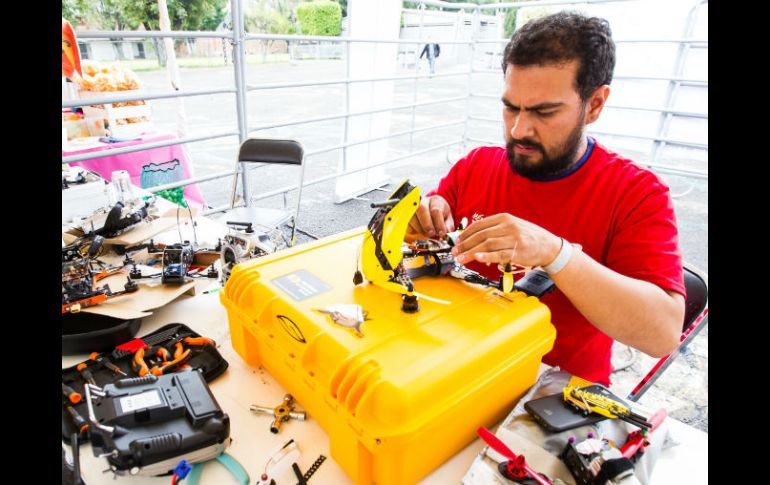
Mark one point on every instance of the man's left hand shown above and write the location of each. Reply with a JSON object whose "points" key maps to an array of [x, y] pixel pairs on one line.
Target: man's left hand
{"points": [[503, 238]]}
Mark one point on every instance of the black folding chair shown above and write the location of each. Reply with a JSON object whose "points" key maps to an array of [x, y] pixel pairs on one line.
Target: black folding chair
{"points": [[271, 151], [695, 319]]}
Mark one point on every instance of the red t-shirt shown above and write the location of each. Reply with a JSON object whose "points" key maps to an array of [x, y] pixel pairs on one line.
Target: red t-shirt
{"points": [[620, 212]]}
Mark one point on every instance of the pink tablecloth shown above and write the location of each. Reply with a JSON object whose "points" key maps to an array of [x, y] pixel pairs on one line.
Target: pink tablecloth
{"points": [[147, 168]]}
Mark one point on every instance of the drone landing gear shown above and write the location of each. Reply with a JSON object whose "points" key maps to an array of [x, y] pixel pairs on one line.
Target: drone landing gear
{"points": [[410, 304], [130, 286]]}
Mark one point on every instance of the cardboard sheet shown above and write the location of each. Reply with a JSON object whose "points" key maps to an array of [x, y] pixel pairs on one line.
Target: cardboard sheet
{"points": [[151, 295], [142, 231]]}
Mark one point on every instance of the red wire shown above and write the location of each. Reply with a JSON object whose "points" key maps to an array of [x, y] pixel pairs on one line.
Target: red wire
{"points": [[173, 480]]}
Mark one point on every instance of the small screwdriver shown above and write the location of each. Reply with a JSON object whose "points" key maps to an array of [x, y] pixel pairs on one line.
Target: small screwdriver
{"points": [[80, 423], [100, 359], [85, 373], [73, 396]]}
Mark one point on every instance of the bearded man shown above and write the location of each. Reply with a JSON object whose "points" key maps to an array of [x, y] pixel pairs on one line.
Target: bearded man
{"points": [[601, 226]]}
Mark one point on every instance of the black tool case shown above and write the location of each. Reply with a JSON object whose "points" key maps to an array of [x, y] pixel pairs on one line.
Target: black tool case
{"points": [[205, 359]]}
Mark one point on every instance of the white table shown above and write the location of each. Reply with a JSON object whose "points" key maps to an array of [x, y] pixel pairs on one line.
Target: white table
{"points": [[242, 386]]}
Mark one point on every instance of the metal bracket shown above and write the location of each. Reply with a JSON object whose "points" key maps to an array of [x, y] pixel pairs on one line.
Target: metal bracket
{"points": [[282, 412]]}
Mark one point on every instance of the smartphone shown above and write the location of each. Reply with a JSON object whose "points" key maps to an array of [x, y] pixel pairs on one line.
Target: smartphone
{"points": [[555, 415]]}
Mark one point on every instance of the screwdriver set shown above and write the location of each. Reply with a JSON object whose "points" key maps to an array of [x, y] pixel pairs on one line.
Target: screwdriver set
{"points": [[172, 348]]}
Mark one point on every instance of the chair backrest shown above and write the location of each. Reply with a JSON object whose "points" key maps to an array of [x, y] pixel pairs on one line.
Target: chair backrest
{"points": [[264, 150], [697, 297]]}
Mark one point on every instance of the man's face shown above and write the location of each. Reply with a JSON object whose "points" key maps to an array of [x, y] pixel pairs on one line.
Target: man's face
{"points": [[544, 118]]}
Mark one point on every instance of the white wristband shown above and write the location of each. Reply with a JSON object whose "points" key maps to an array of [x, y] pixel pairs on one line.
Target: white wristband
{"points": [[561, 260]]}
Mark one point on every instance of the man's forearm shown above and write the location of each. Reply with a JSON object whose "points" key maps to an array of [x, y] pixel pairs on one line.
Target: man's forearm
{"points": [[634, 312]]}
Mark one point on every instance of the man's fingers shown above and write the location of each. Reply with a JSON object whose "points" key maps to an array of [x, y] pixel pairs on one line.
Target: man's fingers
{"points": [[477, 226], [414, 231], [472, 243], [488, 257], [425, 221], [437, 216], [440, 213], [486, 245], [412, 236], [450, 222]]}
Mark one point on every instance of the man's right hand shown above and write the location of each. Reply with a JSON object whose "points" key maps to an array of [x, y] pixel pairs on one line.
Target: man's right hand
{"points": [[433, 219]]}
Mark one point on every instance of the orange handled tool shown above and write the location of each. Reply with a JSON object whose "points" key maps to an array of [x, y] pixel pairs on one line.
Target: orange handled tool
{"points": [[199, 341], [163, 353], [85, 373], [73, 396], [138, 364], [100, 359], [180, 357], [80, 423], [179, 350]]}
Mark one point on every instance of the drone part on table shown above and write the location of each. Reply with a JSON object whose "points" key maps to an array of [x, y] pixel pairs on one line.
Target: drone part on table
{"points": [[115, 220], [595, 461], [279, 460], [243, 243], [515, 468], [381, 253], [176, 262], [79, 279]]}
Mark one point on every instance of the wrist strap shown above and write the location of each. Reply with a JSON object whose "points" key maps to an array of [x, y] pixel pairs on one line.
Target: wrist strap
{"points": [[561, 260], [232, 465]]}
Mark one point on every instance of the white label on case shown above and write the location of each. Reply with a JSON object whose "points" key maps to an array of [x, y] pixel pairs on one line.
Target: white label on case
{"points": [[140, 401]]}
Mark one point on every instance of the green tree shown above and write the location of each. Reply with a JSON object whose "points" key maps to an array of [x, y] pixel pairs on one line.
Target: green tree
{"points": [[286, 8], [130, 14], [79, 12], [260, 18], [322, 17], [509, 24]]}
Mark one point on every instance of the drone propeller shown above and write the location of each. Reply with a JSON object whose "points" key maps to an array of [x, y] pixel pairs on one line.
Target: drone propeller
{"points": [[430, 298], [508, 272], [395, 287], [508, 278], [517, 465]]}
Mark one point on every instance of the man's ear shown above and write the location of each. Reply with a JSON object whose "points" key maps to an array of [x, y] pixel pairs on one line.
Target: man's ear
{"points": [[596, 103]]}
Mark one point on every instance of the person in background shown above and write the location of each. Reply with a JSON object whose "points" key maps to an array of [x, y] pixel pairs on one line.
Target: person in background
{"points": [[432, 50]]}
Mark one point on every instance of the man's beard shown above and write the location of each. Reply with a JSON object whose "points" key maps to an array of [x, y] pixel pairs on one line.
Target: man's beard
{"points": [[552, 163]]}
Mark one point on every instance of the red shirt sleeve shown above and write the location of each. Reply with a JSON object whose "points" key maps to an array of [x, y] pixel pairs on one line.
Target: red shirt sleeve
{"points": [[645, 241]]}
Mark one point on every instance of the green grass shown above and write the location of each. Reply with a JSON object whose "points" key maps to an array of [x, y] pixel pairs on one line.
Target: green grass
{"points": [[140, 65]]}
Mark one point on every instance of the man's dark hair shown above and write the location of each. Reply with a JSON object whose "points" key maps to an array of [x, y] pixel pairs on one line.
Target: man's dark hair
{"points": [[563, 37]]}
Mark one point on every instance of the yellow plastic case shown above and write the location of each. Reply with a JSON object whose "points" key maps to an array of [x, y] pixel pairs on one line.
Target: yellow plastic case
{"points": [[411, 392]]}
